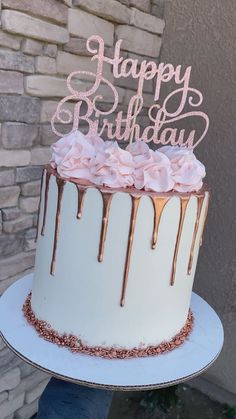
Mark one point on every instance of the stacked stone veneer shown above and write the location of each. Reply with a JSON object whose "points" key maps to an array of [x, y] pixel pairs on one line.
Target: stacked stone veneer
{"points": [[41, 42]]}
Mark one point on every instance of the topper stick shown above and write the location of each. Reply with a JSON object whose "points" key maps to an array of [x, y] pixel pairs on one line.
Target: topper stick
{"points": [[132, 131]]}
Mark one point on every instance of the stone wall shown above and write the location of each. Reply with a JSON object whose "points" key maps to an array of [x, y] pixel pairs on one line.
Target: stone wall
{"points": [[41, 42]]}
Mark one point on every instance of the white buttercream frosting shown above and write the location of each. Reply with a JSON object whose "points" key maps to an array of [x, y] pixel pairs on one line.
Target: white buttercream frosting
{"points": [[105, 163]]}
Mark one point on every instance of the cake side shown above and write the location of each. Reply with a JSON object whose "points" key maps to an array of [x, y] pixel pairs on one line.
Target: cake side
{"points": [[139, 292]]}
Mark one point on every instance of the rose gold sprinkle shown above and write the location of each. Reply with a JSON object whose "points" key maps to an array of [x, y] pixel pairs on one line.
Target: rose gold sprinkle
{"points": [[75, 344]]}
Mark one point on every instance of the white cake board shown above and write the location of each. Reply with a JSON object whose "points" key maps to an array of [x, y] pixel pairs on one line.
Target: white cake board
{"points": [[189, 360]]}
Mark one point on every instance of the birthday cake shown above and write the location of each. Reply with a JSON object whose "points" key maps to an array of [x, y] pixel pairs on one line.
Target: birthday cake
{"points": [[119, 231]]}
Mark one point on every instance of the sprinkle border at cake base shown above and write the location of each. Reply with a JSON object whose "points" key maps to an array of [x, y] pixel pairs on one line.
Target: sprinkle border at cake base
{"points": [[75, 345]]}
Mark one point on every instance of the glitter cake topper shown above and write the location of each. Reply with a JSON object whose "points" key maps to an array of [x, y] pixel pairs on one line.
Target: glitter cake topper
{"points": [[125, 127]]}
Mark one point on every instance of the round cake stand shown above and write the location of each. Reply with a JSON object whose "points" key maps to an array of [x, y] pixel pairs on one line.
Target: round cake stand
{"points": [[189, 360]]}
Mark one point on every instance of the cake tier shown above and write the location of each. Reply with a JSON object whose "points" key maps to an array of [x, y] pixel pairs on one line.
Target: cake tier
{"points": [[115, 268]]}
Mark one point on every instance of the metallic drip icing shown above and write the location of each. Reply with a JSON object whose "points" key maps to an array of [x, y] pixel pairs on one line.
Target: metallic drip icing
{"points": [[134, 211], [40, 199], [183, 206], [81, 196], [60, 187], [48, 175], [204, 220], [107, 198], [200, 200], [158, 205]]}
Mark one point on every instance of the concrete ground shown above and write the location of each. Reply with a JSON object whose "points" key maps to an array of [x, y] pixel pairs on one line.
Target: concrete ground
{"points": [[181, 402]]}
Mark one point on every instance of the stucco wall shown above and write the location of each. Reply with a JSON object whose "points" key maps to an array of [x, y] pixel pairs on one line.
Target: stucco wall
{"points": [[202, 34]]}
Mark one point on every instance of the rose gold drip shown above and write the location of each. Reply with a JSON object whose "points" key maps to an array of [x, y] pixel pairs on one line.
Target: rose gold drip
{"points": [[134, 210], [200, 200], [183, 206], [48, 175], [60, 186], [107, 197], [81, 196], [204, 220], [158, 205], [40, 199]]}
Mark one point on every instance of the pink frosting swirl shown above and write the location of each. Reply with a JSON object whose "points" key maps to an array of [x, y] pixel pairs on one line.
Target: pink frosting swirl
{"points": [[112, 167], [187, 170], [71, 155], [152, 169]]}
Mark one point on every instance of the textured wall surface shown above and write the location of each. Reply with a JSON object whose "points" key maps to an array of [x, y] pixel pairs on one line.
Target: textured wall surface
{"points": [[202, 34], [41, 42]]}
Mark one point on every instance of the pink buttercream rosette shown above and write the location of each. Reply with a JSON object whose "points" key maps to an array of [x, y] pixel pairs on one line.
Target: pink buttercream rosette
{"points": [[187, 170], [152, 169], [112, 167], [105, 163]]}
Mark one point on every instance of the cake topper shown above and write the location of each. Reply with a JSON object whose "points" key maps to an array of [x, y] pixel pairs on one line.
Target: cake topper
{"points": [[162, 116]]}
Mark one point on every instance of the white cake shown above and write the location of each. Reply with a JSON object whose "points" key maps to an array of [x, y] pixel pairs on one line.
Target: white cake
{"points": [[115, 267]]}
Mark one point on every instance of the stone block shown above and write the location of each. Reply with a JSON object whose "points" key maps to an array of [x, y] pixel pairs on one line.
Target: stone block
{"points": [[9, 214], [27, 411], [50, 50], [9, 407], [83, 24], [109, 9], [47, 136], [48, 109], [20, 23], [7, 177], [10, 244], [27, 174], [17, 136], [31, 188], [28, 383], [29, 205], [45, 65], [26, 369], [10, 380], [138, 41], [32, 47], [66, 63], [36, 392], [11, 158], [29, 245], [3, 396], [13, 361], [148, 99], [16, 264], [77, 46], [147, 22], [40, 155], [19, 109], [9, 196], [144, 5], [2, 344], [49, 86], [14, 60], [131, 83], [9, 41], [49, 9], [21, 223], [11, 82], [30, 233], [6, 356]]}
